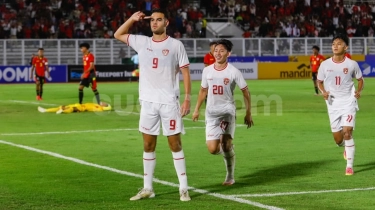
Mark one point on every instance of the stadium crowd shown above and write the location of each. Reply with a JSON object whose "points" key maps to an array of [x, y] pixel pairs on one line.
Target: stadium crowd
{"points": [[259, 18]]}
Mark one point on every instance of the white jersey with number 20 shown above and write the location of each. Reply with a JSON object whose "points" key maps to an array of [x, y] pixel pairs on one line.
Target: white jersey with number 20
{"points": [[221, 84], [338, 79], [159, 64]]}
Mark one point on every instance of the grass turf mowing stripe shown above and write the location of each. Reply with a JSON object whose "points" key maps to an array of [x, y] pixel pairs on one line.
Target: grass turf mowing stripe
{"points": [[304, 192], [82, 162]]}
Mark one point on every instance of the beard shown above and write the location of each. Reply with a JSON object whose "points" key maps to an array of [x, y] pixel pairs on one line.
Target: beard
{"points": [[158, 31]]}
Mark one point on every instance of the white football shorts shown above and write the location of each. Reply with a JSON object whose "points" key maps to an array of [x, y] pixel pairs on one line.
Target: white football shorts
{"points": [[345, 116], [153, 113], [219, 122]]}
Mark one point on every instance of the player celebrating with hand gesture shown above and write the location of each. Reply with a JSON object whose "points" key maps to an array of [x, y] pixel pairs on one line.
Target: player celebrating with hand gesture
{"points": [[161, 58], [335, 81], [218, 83]]}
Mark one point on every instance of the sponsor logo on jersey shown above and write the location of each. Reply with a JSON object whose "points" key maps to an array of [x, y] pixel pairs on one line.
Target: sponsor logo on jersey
{"points": [[345, 70], [226, 81], [165, 52]]}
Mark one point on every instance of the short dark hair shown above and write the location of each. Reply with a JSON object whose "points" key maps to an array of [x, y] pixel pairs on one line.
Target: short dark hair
{"points": [[158, 10], [316, 47], [228, 45], [343, 37], [85, 44], [213, 43], [40, 48]]}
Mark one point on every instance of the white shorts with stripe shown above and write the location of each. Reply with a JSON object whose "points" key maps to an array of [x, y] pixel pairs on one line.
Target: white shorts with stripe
{"points": [[152, 114], [342, 117], [219, 121]]}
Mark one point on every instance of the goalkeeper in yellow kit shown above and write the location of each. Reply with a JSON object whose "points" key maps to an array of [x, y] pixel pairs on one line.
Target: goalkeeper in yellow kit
{"points": [[87, 107]]}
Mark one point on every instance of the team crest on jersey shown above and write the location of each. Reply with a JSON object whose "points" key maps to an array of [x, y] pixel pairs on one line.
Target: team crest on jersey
{"points": [[345, 70], [165, 52], [226, 81]]}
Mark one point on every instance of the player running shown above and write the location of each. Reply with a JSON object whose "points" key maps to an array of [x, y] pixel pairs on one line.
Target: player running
{"points": [[161, 58], [88, 76], [218, 82], [40, 64], [335, 81], [315, 60]]}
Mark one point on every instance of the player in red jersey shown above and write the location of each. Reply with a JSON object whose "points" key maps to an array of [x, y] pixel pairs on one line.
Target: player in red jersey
{"points": [[40, 64], [209, 57], [315, 60], [88, 76]]}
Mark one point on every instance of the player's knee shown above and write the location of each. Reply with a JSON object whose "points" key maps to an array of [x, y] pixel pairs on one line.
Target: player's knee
{"points": [[348, 134], [213, 149], [148, 146]]}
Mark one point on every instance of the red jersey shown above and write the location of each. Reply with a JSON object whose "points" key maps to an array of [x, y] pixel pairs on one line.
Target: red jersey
{"points": [[315, 62], [40, 64], [87, 60], [209, 59], [348, 55]]}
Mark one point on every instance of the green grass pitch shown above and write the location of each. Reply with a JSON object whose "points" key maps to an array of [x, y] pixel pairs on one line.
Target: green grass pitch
{"points": [[288, 160]]}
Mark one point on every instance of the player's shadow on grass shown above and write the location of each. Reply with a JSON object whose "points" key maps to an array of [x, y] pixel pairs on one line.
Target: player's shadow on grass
{"points": [[365, 167], [279, 173]]}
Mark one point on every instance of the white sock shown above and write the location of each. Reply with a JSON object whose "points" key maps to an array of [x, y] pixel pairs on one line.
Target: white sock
{"points": [[180, 166], [350, 150], [149, 162], [229, 159]]}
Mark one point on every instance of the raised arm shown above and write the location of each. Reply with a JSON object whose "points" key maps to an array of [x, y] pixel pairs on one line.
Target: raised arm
{"points": [[185, 108], [122, 33]]}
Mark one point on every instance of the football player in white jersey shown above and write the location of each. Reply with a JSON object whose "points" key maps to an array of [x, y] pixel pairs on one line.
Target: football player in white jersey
{"points": [[335, 81], [161, 58], [218, 83]]}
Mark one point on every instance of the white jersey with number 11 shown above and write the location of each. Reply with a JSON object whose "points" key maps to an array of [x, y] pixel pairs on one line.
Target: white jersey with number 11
{"points": [[338, 78]]}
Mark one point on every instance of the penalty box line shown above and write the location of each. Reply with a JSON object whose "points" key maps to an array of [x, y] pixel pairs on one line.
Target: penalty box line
{"points": [[82, 162]]}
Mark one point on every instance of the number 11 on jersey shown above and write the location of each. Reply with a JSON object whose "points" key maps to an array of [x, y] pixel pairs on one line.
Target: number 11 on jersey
{"points": [[155, 62], [338, 80]]}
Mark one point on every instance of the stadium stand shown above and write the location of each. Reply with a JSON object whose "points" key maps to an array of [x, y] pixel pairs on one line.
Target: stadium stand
{"points": [[258, 18]]}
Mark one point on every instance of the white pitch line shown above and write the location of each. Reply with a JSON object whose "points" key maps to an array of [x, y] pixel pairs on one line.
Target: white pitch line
{"points": [[305, 192], [30, 102], [82, 162], [82, 131]]}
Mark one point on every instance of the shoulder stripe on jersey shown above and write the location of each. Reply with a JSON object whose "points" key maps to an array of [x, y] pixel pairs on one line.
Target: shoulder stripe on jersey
{"points": [[244, 88], [186, 65], [127, 40]]}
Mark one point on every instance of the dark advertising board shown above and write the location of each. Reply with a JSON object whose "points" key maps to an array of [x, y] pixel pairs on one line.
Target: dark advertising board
{"points": [[104, 73], [21, 74]]}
